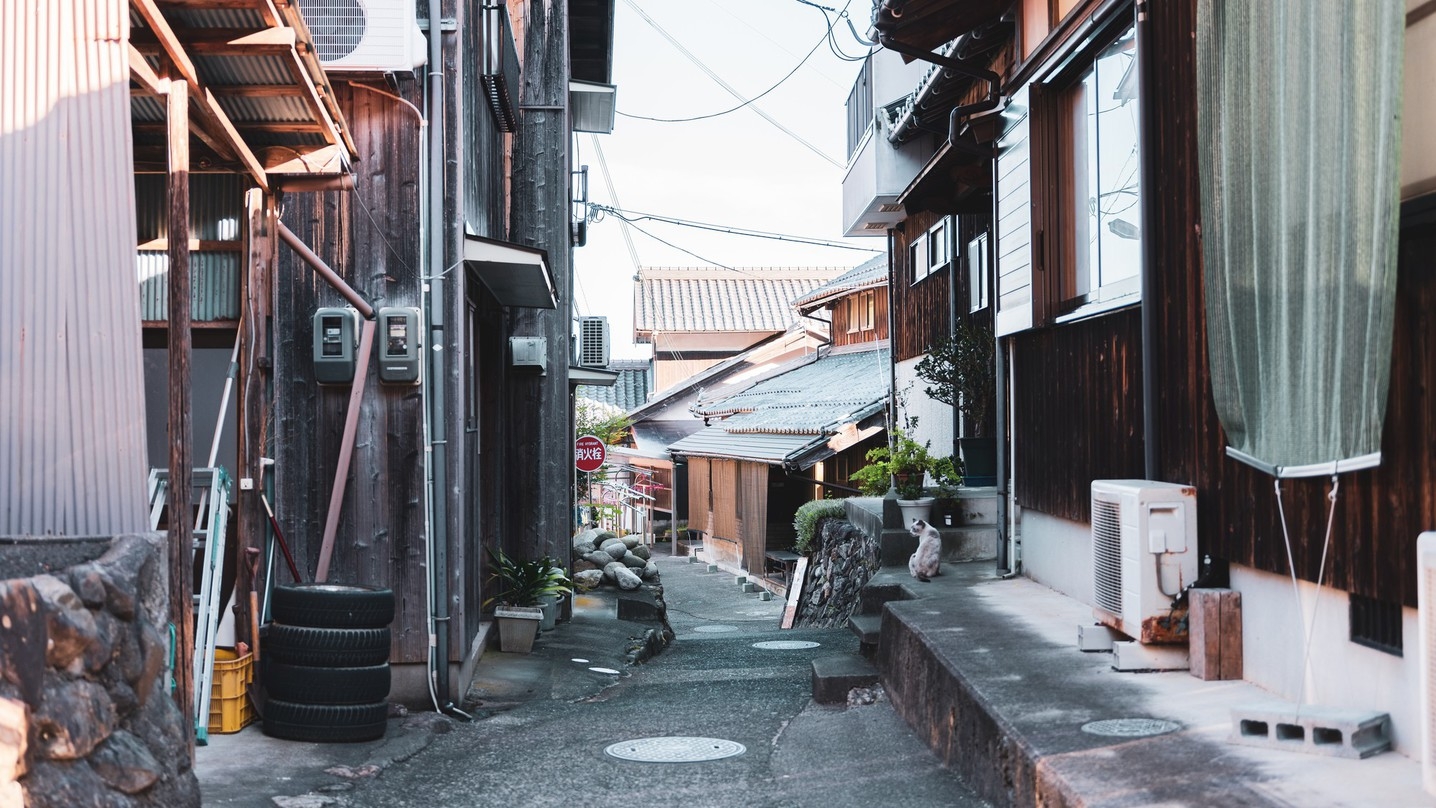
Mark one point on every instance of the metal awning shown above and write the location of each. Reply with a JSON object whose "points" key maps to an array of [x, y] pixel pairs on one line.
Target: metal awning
{"points": [[596, 377], [516, 275]]}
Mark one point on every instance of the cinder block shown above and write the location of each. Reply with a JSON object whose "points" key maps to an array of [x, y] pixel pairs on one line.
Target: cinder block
{"points": [[1097, 637], [834, 676], [1215, 620], [765, 595], [1134, 656], [740, 580], [749, 586], [1315, 730]]}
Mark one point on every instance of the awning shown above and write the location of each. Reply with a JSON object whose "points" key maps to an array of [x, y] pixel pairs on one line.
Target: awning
{"points": [[593, 106], [516, 275], [596, 377]]}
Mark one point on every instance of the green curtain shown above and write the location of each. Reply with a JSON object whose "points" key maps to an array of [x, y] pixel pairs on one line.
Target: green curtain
{"points": [[1298, 108]]}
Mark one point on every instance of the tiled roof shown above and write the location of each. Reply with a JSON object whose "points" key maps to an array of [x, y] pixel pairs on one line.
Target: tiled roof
{"points": [[706, 299], [863, 276], [631, 389], [788, 416]]}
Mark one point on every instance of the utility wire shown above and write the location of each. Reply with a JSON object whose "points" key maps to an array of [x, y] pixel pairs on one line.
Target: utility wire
{"points": [[631, 216], [690, 252], [717, 79], [613, 194]]}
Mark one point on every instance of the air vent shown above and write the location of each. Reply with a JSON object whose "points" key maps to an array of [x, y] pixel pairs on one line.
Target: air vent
{"points": [[875, 226], [365, 36], [337, 26], [890, 207], [593, 342]]}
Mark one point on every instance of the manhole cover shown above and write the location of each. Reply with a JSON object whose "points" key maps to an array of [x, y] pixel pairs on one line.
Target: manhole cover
{"points": [[1131, 727], [675, 749], [715, 629], [785, 645]]}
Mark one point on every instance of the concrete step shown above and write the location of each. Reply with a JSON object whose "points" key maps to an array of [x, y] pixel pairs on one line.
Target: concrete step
{"points": [[834, 676], [868, 627]]}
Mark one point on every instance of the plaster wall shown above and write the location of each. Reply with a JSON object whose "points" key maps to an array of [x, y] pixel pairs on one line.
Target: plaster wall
{"points": [[1341, 673], [934, 418], [1058, 552]]}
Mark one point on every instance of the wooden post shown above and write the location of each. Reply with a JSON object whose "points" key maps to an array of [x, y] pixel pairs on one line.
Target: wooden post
{"points": [[1215, 617], [251, 522], [181, 521]]}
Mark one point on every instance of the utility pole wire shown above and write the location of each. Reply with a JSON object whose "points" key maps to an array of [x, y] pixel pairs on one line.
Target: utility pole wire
{"points": [[613, 194], [721, 83], [631, 216]]}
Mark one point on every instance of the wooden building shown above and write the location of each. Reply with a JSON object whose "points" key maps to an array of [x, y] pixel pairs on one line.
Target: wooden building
{"points": [[1074, 146]]}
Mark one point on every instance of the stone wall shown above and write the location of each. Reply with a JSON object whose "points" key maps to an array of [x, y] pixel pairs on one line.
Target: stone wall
{"points": [[84, 716], [844, 560]]}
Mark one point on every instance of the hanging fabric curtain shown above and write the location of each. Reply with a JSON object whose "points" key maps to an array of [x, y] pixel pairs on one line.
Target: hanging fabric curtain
{"points": [[1299, 118]]}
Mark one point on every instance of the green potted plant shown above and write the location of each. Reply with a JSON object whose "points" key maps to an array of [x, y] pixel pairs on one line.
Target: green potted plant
{"points": [[522, 586], [905, 465], [961, 372]]}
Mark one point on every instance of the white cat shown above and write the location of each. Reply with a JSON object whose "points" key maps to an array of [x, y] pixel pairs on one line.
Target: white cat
{"points": [[924, 562]]}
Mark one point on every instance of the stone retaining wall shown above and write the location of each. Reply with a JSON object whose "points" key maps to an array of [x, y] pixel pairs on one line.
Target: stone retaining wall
{"points": [[844, 560], [84, 716]]}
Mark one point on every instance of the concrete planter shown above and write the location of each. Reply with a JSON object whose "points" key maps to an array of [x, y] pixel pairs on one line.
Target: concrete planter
{"points": [[518, 625], [913, 509]]}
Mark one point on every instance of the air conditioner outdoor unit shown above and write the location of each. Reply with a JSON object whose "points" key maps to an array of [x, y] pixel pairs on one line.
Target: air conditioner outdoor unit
{"points": [[366, 36], [593, 342], [1144, 553], [1426, 642]]}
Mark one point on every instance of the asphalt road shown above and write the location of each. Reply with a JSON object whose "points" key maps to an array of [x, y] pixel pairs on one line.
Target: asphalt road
{"points": [[544, 728]]}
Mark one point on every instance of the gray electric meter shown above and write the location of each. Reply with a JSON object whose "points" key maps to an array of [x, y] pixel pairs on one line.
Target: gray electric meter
{"points": [[400, 330], [336, 335]]}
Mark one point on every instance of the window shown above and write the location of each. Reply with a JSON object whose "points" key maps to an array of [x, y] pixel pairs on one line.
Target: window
{"points": [[1376, 624], [978, 296], [939, 246], [1098, 176], [918, 257]]}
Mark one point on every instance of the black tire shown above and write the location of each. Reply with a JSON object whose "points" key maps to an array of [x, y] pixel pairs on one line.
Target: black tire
{"points": [[306, 684], [325, 723], [327, 647], [333, 605]]}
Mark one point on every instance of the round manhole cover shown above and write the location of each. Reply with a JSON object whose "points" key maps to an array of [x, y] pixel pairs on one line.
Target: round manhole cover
{"points": [[785, 645], [675, 749], [715, 629], [1131, 727]]}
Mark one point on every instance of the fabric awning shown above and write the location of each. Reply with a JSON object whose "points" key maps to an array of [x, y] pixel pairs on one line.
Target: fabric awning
{"points": [[516, 275]]}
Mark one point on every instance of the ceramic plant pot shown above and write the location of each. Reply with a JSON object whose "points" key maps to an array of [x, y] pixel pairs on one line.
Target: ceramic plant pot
{"points": [[518, 625]]}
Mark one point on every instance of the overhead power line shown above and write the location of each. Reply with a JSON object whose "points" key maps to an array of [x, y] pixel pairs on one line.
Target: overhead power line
{"points": [[746, 103], [631, 216]]}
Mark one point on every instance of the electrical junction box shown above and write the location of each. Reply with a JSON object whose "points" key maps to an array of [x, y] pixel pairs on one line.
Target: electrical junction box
{"points": [[401, 330], [336, 338], [529, 354]]}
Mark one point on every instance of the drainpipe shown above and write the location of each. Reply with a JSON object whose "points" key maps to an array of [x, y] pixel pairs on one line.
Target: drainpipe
{"points": [[438, 412], [1147, 217], [1005, 566]]}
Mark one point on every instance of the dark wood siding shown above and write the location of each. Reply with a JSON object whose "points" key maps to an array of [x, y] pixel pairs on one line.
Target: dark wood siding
{"points": [[1077, 411], [842, 316], [925, 308]]}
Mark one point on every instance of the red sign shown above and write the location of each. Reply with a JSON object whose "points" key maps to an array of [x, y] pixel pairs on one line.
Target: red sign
{"points": [[589, 453]]}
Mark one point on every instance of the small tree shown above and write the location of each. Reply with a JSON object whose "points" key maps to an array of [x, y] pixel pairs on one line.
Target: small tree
{"points": [[961, 372], [603, 421]]}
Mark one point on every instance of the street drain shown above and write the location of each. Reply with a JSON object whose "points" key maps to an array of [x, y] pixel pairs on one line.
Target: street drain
{"points": [[1131, 727], [606, 670], [785, 645], [714, 629], [675, 749]]}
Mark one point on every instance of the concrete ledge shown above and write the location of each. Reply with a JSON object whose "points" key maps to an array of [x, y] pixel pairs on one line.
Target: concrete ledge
{"points": [[868, 627], [834, 676], [1314, 730]]}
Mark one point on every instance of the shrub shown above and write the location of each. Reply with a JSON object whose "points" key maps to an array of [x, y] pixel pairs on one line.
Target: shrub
{"points": [[809, 514]]}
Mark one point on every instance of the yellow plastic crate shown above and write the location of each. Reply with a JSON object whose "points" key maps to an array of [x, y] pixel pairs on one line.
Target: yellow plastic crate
{"points": [[229, 707]]}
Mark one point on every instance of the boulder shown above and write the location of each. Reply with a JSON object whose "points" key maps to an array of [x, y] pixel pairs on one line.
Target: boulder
{"points": [[598, 558], [70, 625], [588, 579], [633, 561], [643, 552], [615, 548], [74, 718], [630, 541], [125, 764], [590, 536], [623, 576], [649, 571]]}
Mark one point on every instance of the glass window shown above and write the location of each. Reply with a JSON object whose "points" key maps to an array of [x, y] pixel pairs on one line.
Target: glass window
{"points": [[977, 282], [918, 258], [939, 247], [1098, 130]]}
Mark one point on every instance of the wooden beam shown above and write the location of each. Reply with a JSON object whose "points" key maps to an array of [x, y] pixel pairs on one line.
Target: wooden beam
{"points": [[313, 97], [313, 75], [181, 520], [142, 74], [210, 106], [164, 36], [258, 90], [195, 245], [219, 41], [325, 160]]}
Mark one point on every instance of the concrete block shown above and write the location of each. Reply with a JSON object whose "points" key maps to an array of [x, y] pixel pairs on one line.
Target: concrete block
{"points": [[740, 580], [765, 595], [749, 586], [712, 567], [1316, 730], [868, 627], [1097, 637], [834, 676], [1134, 656], [1215, 620]]}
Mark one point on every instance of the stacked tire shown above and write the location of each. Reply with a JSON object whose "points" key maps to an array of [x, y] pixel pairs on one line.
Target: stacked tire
{"points": [[327, 662]]}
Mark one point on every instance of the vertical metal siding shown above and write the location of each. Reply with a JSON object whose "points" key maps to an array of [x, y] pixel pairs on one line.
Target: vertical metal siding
{"points": [[216, 207], [72, 452]]}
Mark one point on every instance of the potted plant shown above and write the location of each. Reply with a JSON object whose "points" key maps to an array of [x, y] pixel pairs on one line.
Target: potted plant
{"points": [[558, 585], [522, 585], [905, 465], [961, 372]]}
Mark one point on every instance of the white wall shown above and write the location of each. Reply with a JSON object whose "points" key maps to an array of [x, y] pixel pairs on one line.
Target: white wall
{"points": [[1058, 552], [1418, 114], [934, 418], [1341, 673]]}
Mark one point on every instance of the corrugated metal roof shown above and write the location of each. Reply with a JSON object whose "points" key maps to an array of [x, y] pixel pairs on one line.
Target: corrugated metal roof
{"points": [[706, 299], [871, 273], [629, 391], [788, 416]]}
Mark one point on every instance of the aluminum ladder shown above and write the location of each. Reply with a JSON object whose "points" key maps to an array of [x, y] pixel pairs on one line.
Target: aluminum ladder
{"points": [[210, 496]]}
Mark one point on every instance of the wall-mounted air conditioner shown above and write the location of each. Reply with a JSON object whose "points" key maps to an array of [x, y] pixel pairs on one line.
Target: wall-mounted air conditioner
{"points": [[592, 342], [1426, 620], [1144, 553], [365, 36]]}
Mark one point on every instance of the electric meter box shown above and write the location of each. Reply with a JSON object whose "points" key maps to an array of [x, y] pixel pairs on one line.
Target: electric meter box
{"points": [[336, 336], [401, 330]]}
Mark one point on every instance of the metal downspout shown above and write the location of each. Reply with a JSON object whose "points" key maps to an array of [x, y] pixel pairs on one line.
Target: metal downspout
{"points": [[438, 411], [1151, 444], [1004, 556]]}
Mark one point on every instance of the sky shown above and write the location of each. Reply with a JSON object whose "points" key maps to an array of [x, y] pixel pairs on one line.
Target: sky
{"points": [[733, 170]]}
